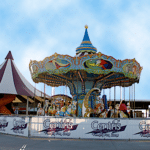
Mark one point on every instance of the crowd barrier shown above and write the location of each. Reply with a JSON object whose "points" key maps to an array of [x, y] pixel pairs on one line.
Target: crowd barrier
{"points": [[14, 125], [83, 128]]}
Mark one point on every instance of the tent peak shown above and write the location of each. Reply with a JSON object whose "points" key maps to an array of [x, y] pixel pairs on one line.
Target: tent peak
{"points": [[9, 56]]}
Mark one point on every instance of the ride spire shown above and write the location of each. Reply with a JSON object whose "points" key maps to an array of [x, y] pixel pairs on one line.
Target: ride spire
{"points": [[86, 46]]}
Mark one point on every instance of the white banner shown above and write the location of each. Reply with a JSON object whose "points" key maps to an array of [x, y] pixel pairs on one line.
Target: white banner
{"points": [[14, 125], [88, 128]]}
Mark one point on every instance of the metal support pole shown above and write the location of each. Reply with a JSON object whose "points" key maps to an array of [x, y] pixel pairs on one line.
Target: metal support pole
{"points": [[77, 93], [27, 106], [34, 96], [44, 88], [114, 98], [129, 94], [109, 96], [65, 89], [134, 100], [120, 93], [132, 97], [124, 93], [103, 91]]}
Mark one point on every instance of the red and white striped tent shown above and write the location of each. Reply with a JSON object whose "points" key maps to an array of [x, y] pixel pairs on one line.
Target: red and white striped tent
{"points": [[13, 82]]}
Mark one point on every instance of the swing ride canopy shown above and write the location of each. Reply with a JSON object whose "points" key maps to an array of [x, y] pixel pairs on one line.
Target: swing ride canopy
{"points": [[86, 66]]}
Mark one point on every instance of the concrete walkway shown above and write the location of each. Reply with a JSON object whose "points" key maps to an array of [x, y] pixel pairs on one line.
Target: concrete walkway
{"points": [[9, 142]]}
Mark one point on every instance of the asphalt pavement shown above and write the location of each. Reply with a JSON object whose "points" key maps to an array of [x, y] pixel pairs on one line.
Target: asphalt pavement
{"points": [[10, 142]]}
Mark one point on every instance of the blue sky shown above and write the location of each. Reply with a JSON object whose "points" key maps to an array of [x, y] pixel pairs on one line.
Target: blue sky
{"points": [[35, 29]]}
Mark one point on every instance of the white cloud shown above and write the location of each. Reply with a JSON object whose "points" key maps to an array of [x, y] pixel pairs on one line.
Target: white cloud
{"points": [[63, 31], [37, 50], [133, 31], [133, 36], [34, 7]]}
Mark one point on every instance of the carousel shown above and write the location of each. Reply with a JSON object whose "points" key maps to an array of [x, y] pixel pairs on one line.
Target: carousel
{"points": [[86, 74]]}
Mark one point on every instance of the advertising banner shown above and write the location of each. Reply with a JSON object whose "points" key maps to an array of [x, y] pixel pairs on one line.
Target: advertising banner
{"points": [[14, 125], [84, 128], [140, 129], [87, 128], [3, 124], [54, 127]]}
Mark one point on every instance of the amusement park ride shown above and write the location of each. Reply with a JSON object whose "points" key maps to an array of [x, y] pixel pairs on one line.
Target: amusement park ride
{"points": [[86, 74]]}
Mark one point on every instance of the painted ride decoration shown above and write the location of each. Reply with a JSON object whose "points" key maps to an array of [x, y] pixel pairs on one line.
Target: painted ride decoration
{"points": [[5, 100], [86, 74]]}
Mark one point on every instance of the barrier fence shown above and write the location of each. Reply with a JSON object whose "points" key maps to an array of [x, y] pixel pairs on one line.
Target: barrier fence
{"points": [[14, 125], [84, 128]]}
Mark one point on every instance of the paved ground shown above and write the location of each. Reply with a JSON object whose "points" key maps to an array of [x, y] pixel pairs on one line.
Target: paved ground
{"points": [[9, 142]]}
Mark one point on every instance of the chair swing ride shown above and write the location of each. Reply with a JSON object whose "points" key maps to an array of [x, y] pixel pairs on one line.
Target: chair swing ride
{"points": [[85, 74]]}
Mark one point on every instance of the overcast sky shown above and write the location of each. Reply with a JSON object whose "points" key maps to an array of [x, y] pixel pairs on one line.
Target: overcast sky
{"points": [[35, 29]]}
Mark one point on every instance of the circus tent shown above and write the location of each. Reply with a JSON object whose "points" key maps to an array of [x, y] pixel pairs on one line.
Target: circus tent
{"points": [[14, 83]]}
